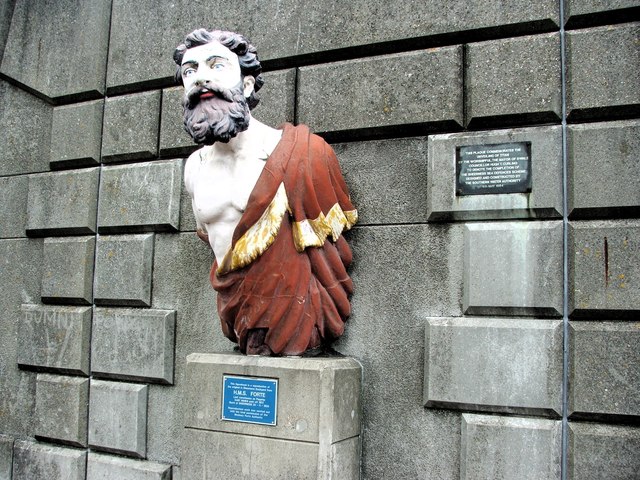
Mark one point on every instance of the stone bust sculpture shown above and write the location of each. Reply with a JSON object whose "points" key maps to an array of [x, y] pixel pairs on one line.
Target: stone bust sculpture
{"points": [[271, 203]]}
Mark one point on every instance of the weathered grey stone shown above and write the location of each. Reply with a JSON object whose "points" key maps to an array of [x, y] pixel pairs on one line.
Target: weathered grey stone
{"points": [[603, 451], [76, 135], [581, 13], [604, 369], [131, 127], [35, 461], [385, 91], [61, 408], [510, 447], [603, 71], [544, 201], [106, 467], [604, 178], [494, 364], [67, 274], [513, 268], [124, 264], [133, 344], [62, 203], [386, 179], [55, 338], [187, 219], [118, 417], [6, 456], [25, 123], [141, 197], [604, 268], [13, 206], [277, 98], [174, 140], [6, 12], [513, 81], [69, 58]]}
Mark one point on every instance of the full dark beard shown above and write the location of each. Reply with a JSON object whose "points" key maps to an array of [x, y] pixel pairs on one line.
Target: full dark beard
{"points": [[216, 119]]}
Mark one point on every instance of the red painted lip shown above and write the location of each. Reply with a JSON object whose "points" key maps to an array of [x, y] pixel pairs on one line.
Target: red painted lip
{"points": [[207, 95]]}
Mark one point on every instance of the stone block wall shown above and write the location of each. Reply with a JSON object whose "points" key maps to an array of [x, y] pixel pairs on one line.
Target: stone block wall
{"points": [[498, 334]]}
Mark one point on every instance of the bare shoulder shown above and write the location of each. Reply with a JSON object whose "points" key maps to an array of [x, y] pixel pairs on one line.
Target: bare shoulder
{"points": [[191, 169]]}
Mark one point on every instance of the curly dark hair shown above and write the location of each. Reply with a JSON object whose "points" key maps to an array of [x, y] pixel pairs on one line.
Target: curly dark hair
{"points": [[237, 43]]}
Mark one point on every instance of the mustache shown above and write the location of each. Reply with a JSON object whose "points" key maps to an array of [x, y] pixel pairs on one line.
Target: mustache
{"points": [[193, 96]]}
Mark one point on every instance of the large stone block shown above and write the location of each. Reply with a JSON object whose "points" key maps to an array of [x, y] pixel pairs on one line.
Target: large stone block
{"points": [[581, 13], [131, 127], [35, 461], [142, 197], [62, 203], [604, 370], [513, 268], [133, 344], [55, 338], [603, 452], [6, 12], [124, 264], [277, 98], [25, 123], [13, 206], [386, 179], [174, 140], [494, 364], [510, 447], [50, 66], [603, 66], [513, 81], [544, 200], [67, 275], [6, 456], [76, 135], [385, 91], [100, 467], [61, 408], [118, 417], [604, 269], [604, 178]]}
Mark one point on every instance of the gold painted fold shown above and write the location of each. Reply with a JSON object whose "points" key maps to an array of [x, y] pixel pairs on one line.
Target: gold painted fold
{"points": [[314, 232]]}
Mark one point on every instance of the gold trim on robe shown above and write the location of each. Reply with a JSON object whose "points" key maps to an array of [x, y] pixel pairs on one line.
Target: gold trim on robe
{"points": [[314, 232]]}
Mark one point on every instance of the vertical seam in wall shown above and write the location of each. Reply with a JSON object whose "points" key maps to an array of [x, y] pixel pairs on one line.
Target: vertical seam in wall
{"points": [[296, 89]]}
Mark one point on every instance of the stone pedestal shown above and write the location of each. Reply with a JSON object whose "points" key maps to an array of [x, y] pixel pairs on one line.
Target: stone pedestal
{"points": [[317, 429]]}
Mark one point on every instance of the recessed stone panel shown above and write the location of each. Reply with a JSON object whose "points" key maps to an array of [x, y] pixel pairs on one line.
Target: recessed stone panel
{"points": [[118, 417], [124, 265], [494, 364], [76, 135], [604, 269], [101, 467], [62, 203], [6, 456], [587, 12], [509, 447], [61, 408], [140, 197], [36, 461], [13, 206], [67, 273], [174, 140], [544, 200], [513, 268], [55, 338]]}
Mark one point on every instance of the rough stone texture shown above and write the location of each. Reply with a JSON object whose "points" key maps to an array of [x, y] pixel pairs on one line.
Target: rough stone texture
{"points": [[6, 12], [75, 135], [35, 461], [513, 81], [25, 123], [124, 264], [383, 91], [13, 206], [67, 273], [133, 344], [386, 179], [513, 268], [603, 451], [61, 408], [509, 447], [101, 467], [6, 456], [62, 203], [587, 12], [603, 71], [494, 364], [131, 127], [55, 338], [69, 58], [604, 369], [118, 417], [604, 170], [544, 201], [142, 197], [604, 269], [174, 140]]}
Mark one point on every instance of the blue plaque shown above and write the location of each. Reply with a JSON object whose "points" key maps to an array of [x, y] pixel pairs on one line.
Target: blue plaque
{"points": [[249, 399]]}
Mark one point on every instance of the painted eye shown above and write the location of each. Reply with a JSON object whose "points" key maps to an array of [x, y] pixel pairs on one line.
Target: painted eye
{"points": [[188, 72], [217, 66]]}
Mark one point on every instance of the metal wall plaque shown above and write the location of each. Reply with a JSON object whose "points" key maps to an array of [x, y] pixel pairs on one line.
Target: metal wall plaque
{"points": [[497, 168], [249, 399]]}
